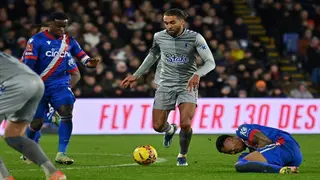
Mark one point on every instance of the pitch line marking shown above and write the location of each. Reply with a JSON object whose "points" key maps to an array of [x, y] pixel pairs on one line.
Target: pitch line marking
{"points": [[159, 160]]}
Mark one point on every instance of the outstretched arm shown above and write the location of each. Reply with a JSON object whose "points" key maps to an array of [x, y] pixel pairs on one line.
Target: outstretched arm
{"points": [[147, 63], [151, 58]]}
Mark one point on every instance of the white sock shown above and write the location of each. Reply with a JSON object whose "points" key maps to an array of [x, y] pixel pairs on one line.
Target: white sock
{"points": [[171, 130], [181, 155]]}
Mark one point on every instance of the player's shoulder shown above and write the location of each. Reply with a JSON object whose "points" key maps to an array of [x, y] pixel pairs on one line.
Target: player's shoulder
{"points": [[190, 32], [37, 38], [71, 37], [159, 34]]}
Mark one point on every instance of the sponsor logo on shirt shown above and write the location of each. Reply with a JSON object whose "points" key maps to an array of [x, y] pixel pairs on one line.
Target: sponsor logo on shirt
{"points": [[54, 53], [178, 59]]}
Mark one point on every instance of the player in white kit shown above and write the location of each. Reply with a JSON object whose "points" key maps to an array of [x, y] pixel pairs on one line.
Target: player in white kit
{"points": [[20, 93]]}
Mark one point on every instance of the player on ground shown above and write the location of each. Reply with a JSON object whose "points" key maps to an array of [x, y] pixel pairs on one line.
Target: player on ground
{"points": [[271, 150], [20, 93], [179, 77], [49, 53]]}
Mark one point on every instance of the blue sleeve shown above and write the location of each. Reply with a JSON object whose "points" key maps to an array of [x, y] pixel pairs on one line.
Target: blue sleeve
{"points": [[246, 132], [72, 66], [77, 51], [30, 55]]}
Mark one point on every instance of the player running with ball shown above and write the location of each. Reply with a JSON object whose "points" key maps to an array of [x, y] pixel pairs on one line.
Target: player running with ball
{"points": [[179, 77]]}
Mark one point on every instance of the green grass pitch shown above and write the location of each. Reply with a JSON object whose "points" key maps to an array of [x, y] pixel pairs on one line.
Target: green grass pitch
{"points": [[110, 158]]}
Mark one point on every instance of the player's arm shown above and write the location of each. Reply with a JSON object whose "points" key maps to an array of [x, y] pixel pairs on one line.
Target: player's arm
{"points": [[152, 57], [74, 72], [209, 64], [260, 139], [77, 51], [247, 132], [30, 55], [206, 55]]}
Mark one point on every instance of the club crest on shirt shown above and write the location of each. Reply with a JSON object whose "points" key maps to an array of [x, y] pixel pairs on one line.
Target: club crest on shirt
{"points": [[244, 131], [2, 88]]}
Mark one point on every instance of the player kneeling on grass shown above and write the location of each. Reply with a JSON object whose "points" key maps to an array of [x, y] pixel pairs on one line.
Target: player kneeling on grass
{"points": [[271, 150]]}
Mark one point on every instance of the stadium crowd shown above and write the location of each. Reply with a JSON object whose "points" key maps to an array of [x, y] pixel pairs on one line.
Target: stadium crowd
{"points": [[121, 32]]}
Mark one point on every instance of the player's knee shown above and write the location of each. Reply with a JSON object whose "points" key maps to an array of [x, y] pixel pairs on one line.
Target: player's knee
{"points": [[185, 125], [158, 127], [65, 111], [238, 167], [36, 124]]}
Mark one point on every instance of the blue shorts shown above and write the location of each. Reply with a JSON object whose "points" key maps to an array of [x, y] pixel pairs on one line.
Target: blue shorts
{"points": [[55, 96], [286, 154]]}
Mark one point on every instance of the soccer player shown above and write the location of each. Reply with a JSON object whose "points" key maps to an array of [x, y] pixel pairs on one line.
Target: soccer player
{"points": [[271, 150], [49, 54], [179, 77], [20, 93]]}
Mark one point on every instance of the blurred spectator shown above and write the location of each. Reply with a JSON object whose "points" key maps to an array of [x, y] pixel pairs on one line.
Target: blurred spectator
{"points": [[121, 33], [278, 93], [240, 30], [259, 90], [301, 92], [258, 50], [313, 63], [237, 54]]}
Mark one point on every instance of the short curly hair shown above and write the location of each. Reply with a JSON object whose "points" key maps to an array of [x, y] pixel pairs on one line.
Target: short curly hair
{"points": [[220, 142]]}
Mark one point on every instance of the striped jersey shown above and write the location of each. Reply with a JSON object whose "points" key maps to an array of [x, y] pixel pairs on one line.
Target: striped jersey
{"points": [[51, 57]]}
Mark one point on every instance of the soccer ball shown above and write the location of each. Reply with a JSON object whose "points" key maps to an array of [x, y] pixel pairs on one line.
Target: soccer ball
{"points": [[145, 155]]}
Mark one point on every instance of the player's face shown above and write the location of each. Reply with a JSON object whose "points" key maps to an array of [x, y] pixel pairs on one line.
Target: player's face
{"points": [[173, 25], [233, 145], [58, 27]]}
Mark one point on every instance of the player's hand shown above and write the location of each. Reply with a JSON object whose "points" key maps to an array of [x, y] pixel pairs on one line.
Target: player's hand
{"points": [[129, 80], [92, 62], [193, 82]]}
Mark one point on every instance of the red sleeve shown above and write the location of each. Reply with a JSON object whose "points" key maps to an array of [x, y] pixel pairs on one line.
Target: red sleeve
{"points": [[252, 132]]}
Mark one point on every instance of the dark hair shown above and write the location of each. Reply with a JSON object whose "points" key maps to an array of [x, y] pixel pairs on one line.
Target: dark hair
{"points": [[220, 141], [38, 27], [57, 16], [176, 12]]}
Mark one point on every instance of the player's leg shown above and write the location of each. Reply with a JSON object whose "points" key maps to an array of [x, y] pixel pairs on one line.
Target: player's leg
{"points": [[264, 160], [187, 111], [4, 173], [63, 102], [51, 116], [187, 105], [33, 130], [31, 90], [164, 102]]}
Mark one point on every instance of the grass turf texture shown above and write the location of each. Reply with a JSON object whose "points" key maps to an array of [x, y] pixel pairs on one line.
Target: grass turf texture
{"points": [[110, 157]]}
